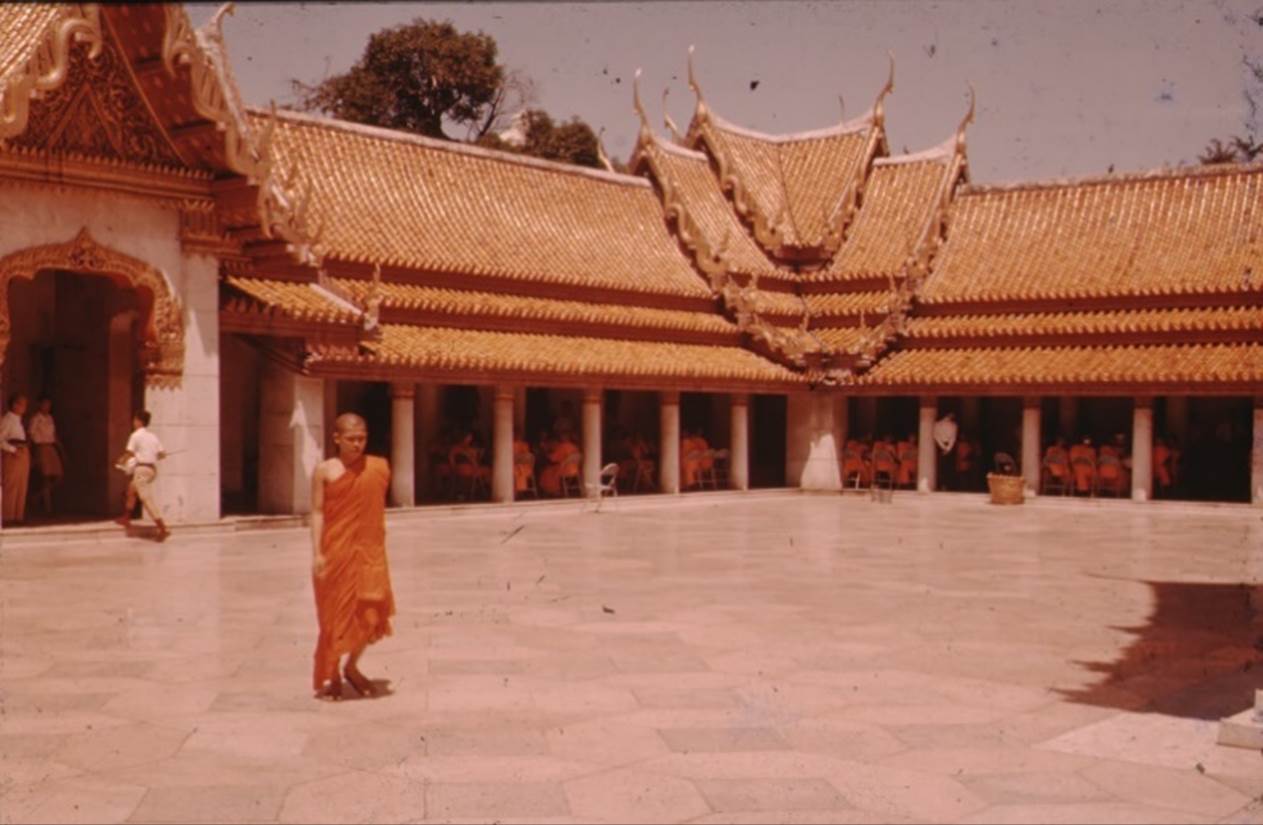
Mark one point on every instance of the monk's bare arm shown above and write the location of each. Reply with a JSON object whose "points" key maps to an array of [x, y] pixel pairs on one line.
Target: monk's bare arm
{"points": [[317, 517]]}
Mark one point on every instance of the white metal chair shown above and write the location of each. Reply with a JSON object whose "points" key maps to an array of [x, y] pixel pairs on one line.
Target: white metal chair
{"points": [[570, 472], [605, 484]]}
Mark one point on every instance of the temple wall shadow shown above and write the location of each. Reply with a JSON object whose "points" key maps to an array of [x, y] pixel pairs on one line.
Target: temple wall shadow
{"points": [[1199, 655]]}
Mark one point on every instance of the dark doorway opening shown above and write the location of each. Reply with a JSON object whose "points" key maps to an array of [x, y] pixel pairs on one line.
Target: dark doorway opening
{"points": [[769, 423], [75, 338]]}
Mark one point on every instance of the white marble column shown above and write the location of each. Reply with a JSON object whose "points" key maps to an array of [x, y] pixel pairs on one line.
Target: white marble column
{"points": [[1142, 450], [927, 452], [1030, 444], [292, 433], [1256, 454], [591, 440], [739, 449], [812, 446], [669, 442], [403, 471], [519, 411], [426, 414], [502, 445]]}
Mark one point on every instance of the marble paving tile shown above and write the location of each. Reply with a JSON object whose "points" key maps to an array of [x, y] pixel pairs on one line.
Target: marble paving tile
{"points": [[452, 800], [355, 797], [210, 804], [976, 664]]}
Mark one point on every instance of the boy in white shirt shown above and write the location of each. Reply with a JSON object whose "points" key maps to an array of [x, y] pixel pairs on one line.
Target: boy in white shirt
{"points": [[145, 449]]}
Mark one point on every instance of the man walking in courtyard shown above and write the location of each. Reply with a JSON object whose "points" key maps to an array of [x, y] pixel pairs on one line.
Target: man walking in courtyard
{"points": [[350, 575], [143, 452]]}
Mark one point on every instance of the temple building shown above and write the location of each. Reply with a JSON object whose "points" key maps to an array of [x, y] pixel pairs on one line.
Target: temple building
{"points": [[245, 274]]}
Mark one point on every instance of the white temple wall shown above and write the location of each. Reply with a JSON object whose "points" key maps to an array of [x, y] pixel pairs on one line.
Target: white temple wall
{"points": [[185, 417]]}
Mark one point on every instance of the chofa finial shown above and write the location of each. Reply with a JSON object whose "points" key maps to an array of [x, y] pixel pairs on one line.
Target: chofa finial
{"points": [[693, 84], [879, 108], [600, 152], [666, 117], [966, 120]]}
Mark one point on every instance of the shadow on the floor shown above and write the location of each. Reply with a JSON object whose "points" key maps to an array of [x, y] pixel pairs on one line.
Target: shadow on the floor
{"points": [[381, 689], [1200, 655]]}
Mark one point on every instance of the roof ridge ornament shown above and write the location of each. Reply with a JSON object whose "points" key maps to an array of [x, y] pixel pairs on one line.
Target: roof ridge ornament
{"points": [[666, 118], [646, 131], [879, 107], [699, 109], [966, 120], [600, 152]]}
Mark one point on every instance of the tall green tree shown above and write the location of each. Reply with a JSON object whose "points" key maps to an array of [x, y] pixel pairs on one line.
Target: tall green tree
{"points": [[429, 78]]}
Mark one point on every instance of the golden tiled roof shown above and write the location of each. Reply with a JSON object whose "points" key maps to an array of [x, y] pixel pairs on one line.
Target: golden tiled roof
{"points": [[1188, 365], [873, 302], [796, 182], [386, 197], [900, 199], [1185, 231], [691, 181], [843, 339], [24, 27], [458, 302], [300, 301], [523, 354], [1081, 323]]}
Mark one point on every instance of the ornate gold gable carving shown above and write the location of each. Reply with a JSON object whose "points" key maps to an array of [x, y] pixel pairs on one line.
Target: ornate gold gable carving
{"points": [[46, 69], [97, 112], [162, 353]]}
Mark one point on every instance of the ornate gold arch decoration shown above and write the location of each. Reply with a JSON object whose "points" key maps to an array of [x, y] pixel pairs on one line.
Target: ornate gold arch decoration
{"points": [[46, 69], [162, 347]]}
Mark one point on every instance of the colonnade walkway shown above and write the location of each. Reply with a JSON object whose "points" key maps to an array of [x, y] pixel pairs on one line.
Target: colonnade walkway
{"points": [[783, 657]]}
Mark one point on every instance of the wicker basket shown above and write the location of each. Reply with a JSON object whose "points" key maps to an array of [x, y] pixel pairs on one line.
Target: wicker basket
{"points": [[1005, 489]]}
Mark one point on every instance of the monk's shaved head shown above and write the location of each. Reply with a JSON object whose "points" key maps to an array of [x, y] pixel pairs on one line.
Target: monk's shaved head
{"points": [[349, 421]]}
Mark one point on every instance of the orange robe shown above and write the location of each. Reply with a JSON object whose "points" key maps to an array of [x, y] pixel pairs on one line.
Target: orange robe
{"points": [[1083, 473], [523, 469], [907, 463], [550, 478], [1162, 465], [1057, 462], [853, 461], [689, 466], [885, 459], [354, 601]]}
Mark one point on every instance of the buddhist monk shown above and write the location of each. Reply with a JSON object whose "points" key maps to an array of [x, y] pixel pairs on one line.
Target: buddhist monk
{"points": [[885, 459], [692, 448], [907, 450], [1083, 466], [560, 450], [1057, 462], [855, 464], [1162, 474], [350, 575], [523, 466]]}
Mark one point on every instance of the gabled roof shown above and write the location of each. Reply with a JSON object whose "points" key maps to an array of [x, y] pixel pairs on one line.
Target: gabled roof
{"points": [[1184, 231], [384, 197]]}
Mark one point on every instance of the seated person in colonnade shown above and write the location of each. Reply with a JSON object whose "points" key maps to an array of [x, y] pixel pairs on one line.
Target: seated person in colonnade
{"points": [[907, 454], [560, 450], [1083, 466], [694, 458]]}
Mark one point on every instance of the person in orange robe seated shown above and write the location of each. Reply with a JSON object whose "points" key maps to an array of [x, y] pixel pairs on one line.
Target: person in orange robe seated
{"points": [[691, 445], [1057, 462], [1116, 476], [1162, 474], [523, 465], [907, 454], [561, 449], [855, 462], [464, 470], [350, 576], [638, 467], [885, 458], [1084, 470]]}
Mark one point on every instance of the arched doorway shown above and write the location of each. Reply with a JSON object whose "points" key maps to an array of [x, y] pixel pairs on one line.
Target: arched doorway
{"points": [[89, 328]]}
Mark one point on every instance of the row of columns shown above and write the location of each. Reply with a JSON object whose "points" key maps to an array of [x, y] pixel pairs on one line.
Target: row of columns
{"points": [[293, 430], [508, 410]]}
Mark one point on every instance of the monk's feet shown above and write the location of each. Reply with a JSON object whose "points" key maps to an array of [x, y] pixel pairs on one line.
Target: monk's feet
{"points": [[331, 692], [362, 684]]}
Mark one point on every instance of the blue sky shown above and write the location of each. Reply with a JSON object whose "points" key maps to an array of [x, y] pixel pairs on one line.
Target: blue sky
{"points": [[1065, 87]]}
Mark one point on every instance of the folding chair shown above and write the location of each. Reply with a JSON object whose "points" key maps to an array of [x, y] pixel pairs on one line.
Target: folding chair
{"points": [[606, 484], [1055, 475], [467, 477], [570, 472], [694, 456], [722, 468], [885, 467], [527, 460], [706, 471], [1109, 474]]}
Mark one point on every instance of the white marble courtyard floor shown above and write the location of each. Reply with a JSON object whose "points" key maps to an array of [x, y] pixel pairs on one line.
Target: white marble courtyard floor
{"points": [[786, 658]]}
